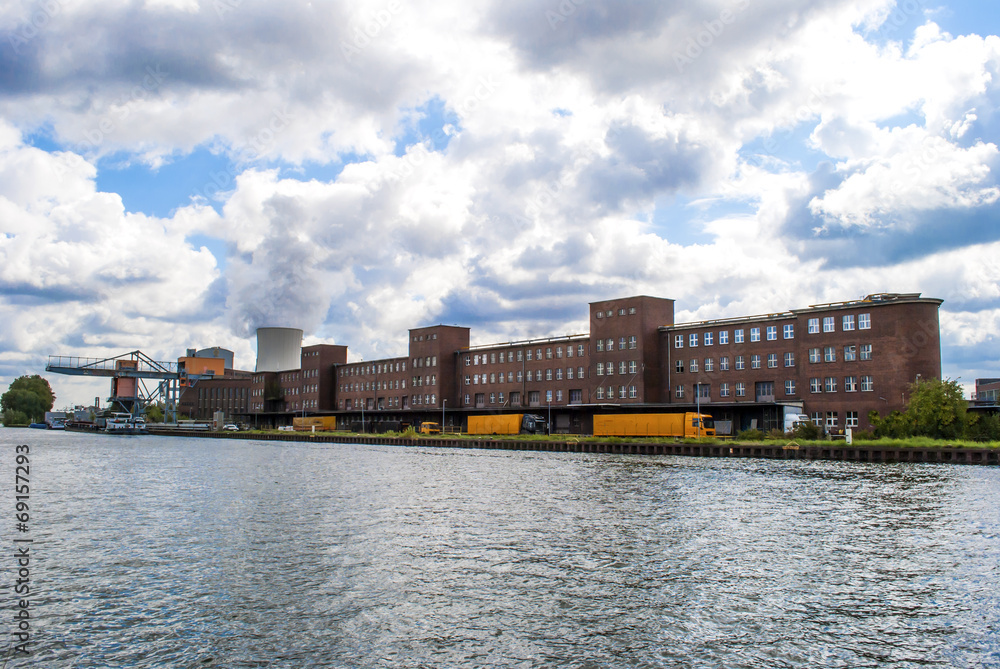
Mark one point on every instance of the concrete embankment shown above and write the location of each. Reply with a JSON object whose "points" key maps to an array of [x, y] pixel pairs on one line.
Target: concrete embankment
{"points": [[858, 452]]}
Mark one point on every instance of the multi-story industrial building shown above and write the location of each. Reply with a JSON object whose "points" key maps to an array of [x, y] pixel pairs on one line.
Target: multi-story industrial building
{"points": [[835, 362]]}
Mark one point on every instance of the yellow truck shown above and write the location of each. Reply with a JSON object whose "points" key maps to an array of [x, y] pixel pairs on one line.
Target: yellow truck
{"points": [[654, 425], [428, 427], [320, 423], [510, 423]]}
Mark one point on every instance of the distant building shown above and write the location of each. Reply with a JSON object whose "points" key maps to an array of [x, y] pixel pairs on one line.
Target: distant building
{"points": [[835, 362], [987, 391]]}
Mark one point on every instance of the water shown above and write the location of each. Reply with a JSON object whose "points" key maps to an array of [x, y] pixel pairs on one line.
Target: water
{"points": [[171, 552]]}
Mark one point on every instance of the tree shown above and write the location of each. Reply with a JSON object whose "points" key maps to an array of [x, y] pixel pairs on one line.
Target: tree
{"points": [[11, 417], [154, 413], [937, 409], [30, 395]]}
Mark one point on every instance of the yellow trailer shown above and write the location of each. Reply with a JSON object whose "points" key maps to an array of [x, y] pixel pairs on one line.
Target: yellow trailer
{"points": [[307, 423], [654, 425], [511, 423]]}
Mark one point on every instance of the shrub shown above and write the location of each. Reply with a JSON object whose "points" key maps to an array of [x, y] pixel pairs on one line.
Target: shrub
{"points": [[750, 435], [14, 417], [775, 433], [807, 431], [863, 435]]}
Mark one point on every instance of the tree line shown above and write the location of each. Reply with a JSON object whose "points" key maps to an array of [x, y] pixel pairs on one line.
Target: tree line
{"points": [[936, 409], [26, 400]]}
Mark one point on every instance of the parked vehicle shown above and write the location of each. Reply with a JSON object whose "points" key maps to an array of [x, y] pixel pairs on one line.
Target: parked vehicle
{"points": [[231, 427], [793, 418], [688, 424], [428, 427], [510, 423]]}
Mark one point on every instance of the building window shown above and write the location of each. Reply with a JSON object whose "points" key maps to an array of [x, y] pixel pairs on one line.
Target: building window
{"points": [[610, 344], [493, 398], [559, 373], [569, 373], [622, 392], [468, 379], [790, 387], [576, 397], [515, 399], [831, 419], [708, 339], [693, 339], [852, 419], [600, 392], [813, 325], [632, 392], [754, 361], [815, 386], [738, 336], [866, 384], [693, 366], [866, 351], [610, 369], [741, 389], [754, 334], [679, 341], [789, 359], [530, 376], [814, 355], [531, 353], [621, 343], [709, 365], [830, 384], [569, 351], [829, 354], [679, 366], [850, 353], [679, 392], [772, 332], [864, 321], [739, 363], [548, 353], [789, 331], [621, 367], [724, 363], [632, 342], [723, 336], [847, 323], [828, 324], [520, 376], [772, 359], [548, 396], [621, 312], [579, 350], [548, 374], [703, 390], [533, 398], [579, 372], [632, 367], [850, 384], [724, 389]]}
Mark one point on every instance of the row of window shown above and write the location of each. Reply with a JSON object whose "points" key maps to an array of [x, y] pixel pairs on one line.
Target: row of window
{"points": [[380, 368], [832, 418], [847, 323], [524, 354], [519, 376], [766, 388], [609, 344], [851, 353], [771, 331], [624, 367], [610, 312], [363, 386], [534, 398], [624, 392]]}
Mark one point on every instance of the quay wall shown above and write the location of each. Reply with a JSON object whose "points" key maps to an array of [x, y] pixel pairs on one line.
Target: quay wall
{"points": [[868, 452]]}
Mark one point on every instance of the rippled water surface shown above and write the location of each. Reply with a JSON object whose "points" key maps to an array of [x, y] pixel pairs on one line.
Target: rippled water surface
{"points": [[171, 552]]}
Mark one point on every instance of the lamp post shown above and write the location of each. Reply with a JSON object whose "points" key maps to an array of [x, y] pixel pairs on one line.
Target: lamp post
{"points": [[548, 425], [444, 403]]}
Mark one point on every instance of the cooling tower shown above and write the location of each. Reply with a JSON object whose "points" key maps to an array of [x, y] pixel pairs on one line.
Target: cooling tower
{"points": [[279, 349]]}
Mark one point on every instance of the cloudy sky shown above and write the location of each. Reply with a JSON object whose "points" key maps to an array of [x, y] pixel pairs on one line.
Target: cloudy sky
{"points": [[175, 173]]}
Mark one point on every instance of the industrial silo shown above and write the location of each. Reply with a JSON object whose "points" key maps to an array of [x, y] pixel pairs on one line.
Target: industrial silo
{"points": [[278, 349]]}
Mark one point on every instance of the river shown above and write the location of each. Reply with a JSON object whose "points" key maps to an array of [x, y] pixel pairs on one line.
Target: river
{"points": [[176, 552]]}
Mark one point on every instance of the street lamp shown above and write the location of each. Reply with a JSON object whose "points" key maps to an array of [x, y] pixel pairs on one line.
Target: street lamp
{"points": [[549, 424], [444, 403]]}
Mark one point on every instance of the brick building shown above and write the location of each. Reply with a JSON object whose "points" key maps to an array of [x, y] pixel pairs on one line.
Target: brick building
{"points": [[834, 362]]}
